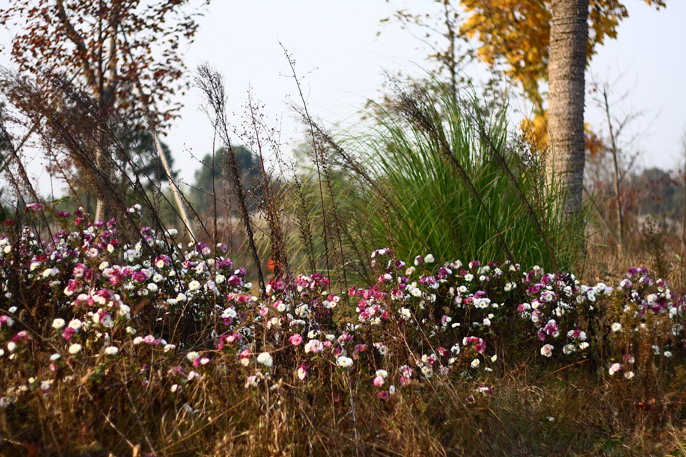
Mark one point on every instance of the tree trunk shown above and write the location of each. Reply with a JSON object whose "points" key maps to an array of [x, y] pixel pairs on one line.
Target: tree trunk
{"points": [[566, 90]]}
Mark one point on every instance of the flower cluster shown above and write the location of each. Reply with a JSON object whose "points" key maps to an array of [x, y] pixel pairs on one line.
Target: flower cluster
{"points": [[186, 312]]}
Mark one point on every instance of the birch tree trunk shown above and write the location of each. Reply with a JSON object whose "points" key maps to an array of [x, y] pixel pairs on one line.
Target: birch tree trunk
{"points": [[566, 67]]}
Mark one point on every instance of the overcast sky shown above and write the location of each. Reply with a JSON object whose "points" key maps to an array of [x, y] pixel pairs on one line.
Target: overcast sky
{"points": [[343, 61]]}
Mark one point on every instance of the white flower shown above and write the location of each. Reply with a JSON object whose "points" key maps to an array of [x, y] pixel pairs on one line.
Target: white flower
{"points": [[629, 374], [58, 323], [75, 324], [345, 362], [382, 348], [111, 350], [252, 381], [547, 350], [616, 327], [667, 354], [265, 359], [106, 320], [427, 371], [229, 313], [75, 348], [11, 346], [191, 356], [302, 373], [314, 346], [54, 357], [382, 373], [125, 310], [475, 363], [302, 310], [193, 285], [429, 259]]}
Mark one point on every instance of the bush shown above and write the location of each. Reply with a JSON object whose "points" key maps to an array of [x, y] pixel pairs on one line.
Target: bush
{"points": [[436, 174]]}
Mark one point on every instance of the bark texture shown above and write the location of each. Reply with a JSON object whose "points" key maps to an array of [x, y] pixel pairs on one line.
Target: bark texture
{"points": [[566, 68]]}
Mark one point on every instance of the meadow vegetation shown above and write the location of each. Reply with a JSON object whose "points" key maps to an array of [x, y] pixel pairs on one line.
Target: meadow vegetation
{"points": [[423, 295]]}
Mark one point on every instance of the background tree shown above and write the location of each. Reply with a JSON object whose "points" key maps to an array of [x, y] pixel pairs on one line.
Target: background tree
{"points": [[141, 144], [123, 53], [550, 41], [515, 36], [214, 179]]}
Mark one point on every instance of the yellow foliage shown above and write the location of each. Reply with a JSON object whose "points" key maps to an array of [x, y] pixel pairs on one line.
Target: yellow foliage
{"points": [[517, 33], [535, 131]]}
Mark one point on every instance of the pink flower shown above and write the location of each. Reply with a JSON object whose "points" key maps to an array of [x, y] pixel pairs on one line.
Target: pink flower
{"points": [[68, 333], [34, 206], [359, 348], [379, 381], [200, 361], [296, 339], [614, 368], [477, 343]]}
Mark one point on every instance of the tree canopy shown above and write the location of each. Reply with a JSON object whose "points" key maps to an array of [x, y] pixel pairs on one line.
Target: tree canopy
{"points": [[106, 48]]}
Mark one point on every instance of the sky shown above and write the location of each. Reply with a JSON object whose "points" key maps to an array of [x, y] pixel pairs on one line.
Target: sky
{"points": [[342, 61]]}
